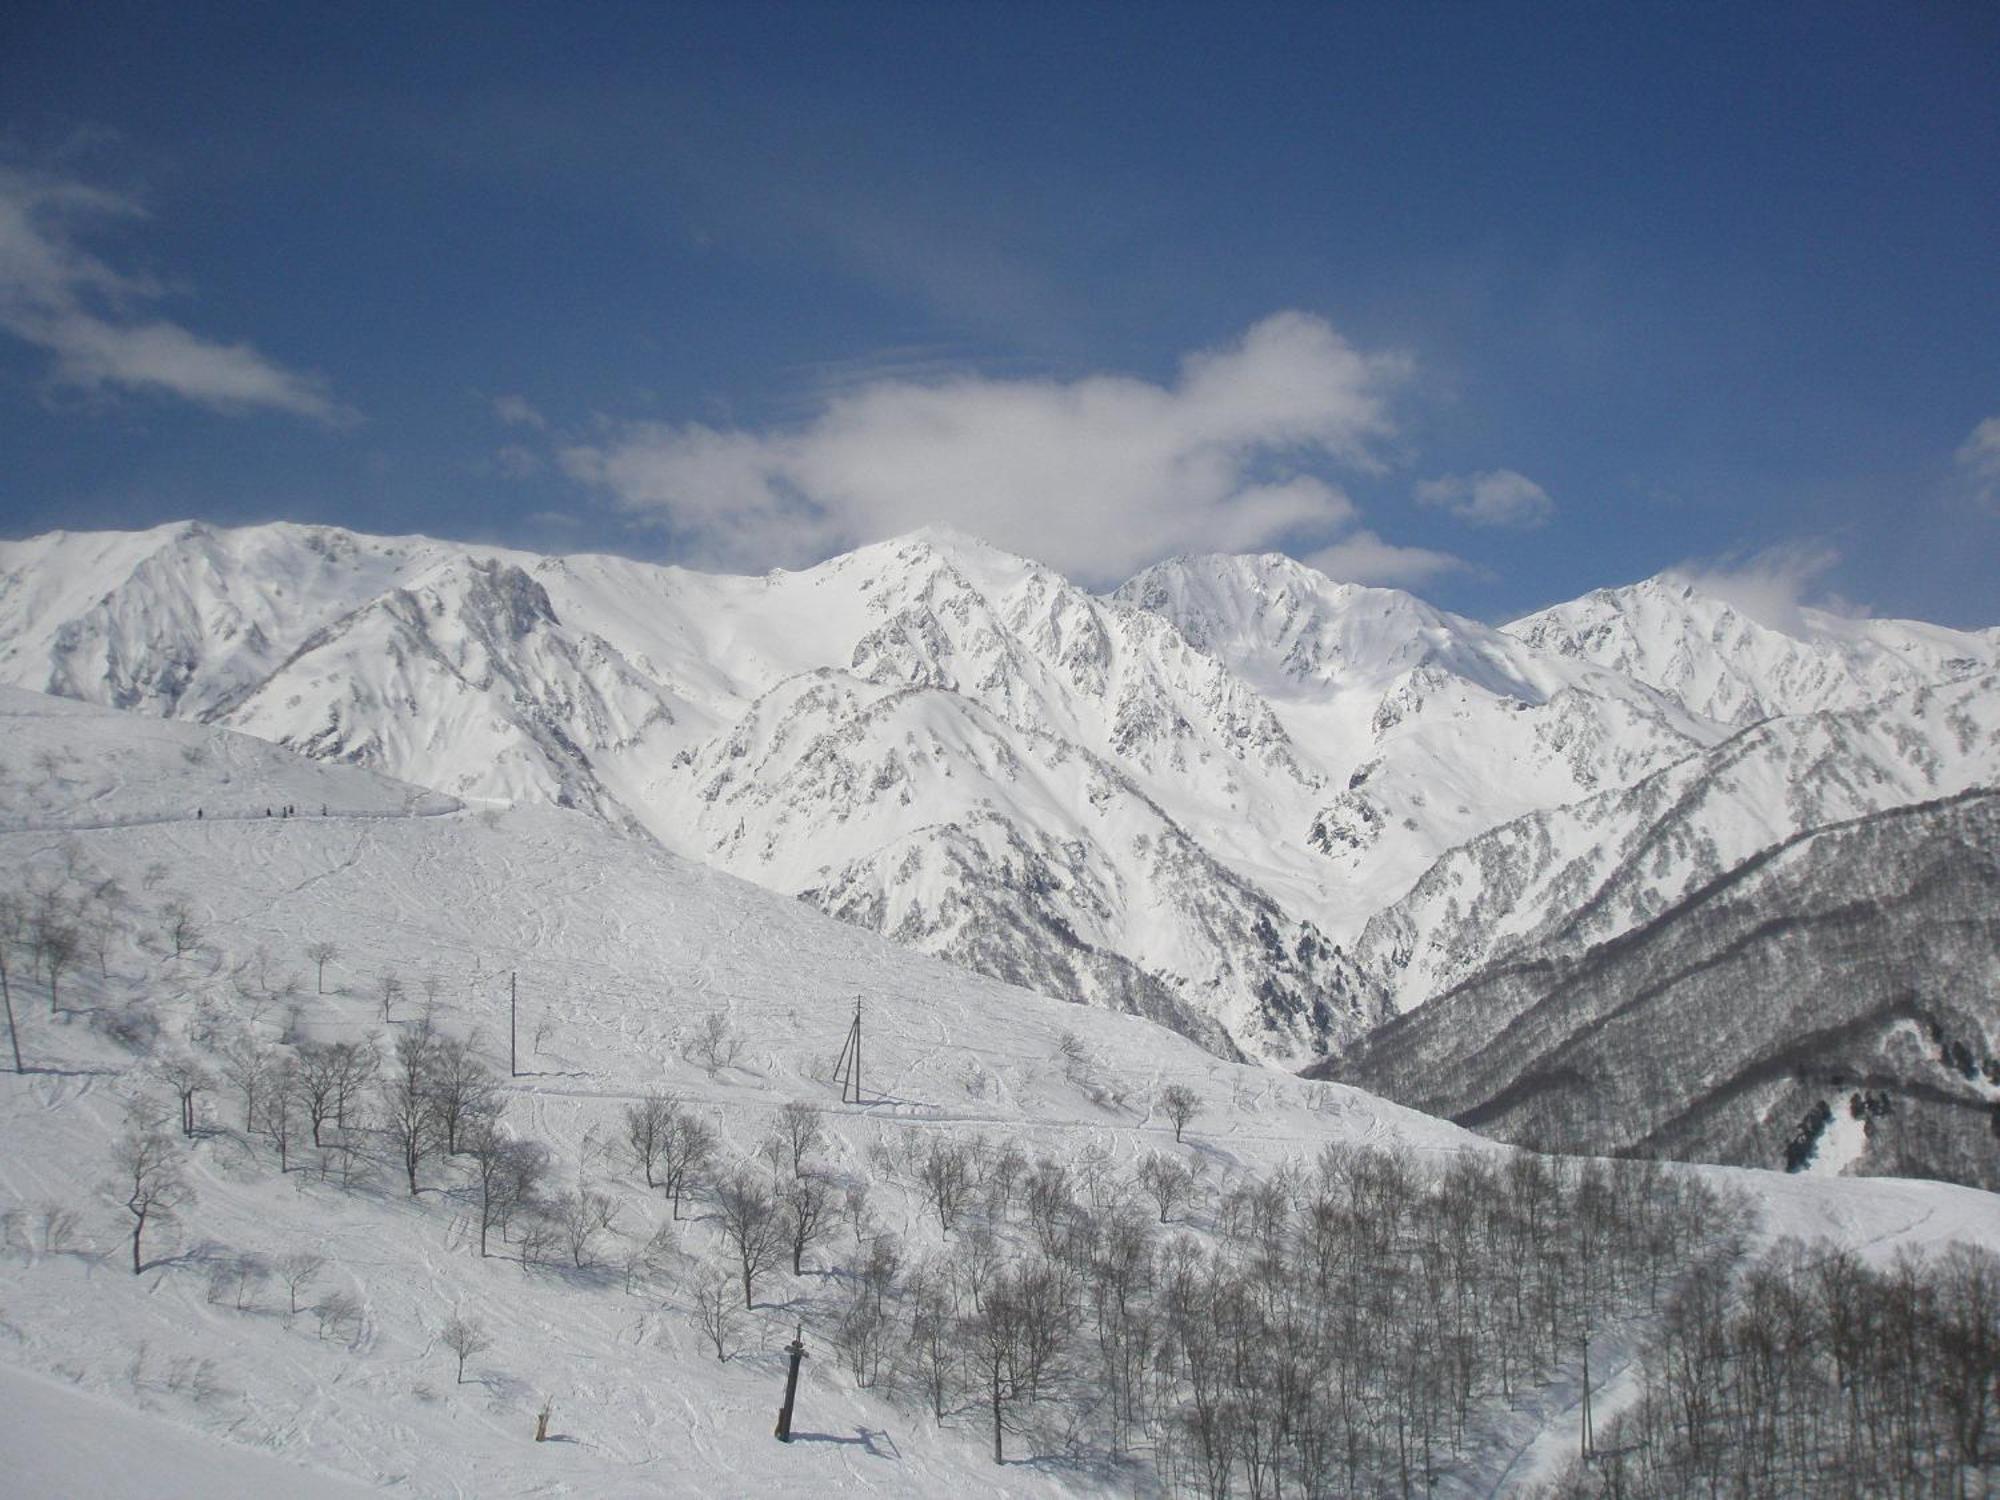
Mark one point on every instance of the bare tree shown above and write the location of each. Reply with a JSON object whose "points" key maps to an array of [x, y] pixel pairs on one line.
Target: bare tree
{"points": [[715, 1312], [1180, 1104], [248, 1272], [319, 955], [13, 923], [148, 1168], [388, 994], [463, 1088], [182, 932], [945, 1172], [186, 1078], [358, 1063], [686, 1152], [335, 1311], [247, 1067], [281, 1108], [579, 1217], [102, 904], [1168, 1180], [715, 1043], [464, 1337], [508, 1176], [647, 1125], [298, 1269], [805, 1205], [322, 1067], [802, 1128], [408, 1113], [59, 942], [750, 1225]]}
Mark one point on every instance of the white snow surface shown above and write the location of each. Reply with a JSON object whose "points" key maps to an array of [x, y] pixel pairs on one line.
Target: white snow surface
{"points": [[621, 949], [1726, 664]]}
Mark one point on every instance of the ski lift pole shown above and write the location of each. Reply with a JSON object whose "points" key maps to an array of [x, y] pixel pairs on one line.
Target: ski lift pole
{"points": [[797, 1350]]}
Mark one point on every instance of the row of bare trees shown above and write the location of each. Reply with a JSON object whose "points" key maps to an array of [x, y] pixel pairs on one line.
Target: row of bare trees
{"points": [[1815, 1374], [1339, 1329]]}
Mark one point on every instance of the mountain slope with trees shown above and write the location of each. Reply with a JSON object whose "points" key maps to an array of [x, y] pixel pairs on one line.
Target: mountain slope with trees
{"points": [[1827, 1002]]}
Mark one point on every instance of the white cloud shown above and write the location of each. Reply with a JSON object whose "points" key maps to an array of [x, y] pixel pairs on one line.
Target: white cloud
{"points": [[1498, 497], [1096, 476], [517, 462], [518, 411], [1365, 558], [1978, 460], [1771, 587], [59, 297]]}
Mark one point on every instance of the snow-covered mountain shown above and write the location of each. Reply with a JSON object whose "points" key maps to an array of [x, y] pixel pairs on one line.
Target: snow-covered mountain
{"points": [[1724, 665], [1551, 884], [1430, 727], [1839, 984], [1184, 800]]}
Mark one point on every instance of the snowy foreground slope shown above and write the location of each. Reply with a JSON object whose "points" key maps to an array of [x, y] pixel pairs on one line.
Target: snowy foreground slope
{"points": [[625, 957]]}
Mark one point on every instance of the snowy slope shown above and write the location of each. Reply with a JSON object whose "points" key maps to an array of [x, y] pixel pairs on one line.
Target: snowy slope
{"points": [[622, 953], [1853, 966], [1724, 665], [1553, 883]]}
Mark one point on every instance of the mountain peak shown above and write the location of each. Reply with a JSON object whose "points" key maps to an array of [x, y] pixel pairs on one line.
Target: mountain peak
{"points": [[1739, 654]]}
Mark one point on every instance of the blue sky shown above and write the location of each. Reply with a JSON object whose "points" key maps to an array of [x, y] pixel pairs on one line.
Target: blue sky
{"points": [[1498, 302]]}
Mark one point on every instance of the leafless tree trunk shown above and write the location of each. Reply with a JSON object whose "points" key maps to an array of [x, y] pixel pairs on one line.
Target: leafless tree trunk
{"points": [[148, 1167], [464, 1337]]}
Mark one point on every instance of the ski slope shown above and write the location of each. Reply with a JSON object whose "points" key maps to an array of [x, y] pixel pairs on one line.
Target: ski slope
{"points": [[621, 952]]}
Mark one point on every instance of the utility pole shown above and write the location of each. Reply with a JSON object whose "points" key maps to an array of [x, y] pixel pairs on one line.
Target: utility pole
{"points": [[847, 1067], [797, 1350], [513, 1012]]}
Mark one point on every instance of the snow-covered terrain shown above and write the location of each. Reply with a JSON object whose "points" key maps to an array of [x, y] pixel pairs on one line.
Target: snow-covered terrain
{"points": [[1553, 883], [1726, 665], [626, 956], [1847, 973], [1188, 800]]}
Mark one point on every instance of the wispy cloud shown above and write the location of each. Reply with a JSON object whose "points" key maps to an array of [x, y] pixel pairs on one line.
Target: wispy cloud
{"points": [[1364, 557], [518, 411], [1096, 476], [1978, 462], [1497, 497], [1772, 587], [90, 317]]}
